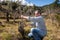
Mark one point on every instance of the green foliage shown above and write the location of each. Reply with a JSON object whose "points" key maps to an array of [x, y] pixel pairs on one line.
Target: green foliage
{"points": [[55, 4]]}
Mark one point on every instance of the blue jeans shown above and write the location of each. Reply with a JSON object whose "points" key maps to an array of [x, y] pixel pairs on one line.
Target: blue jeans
{"points": [[36, 33]]}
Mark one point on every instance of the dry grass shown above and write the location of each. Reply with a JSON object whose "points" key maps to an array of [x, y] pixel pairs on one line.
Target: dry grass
{"points": [[10, 30]]}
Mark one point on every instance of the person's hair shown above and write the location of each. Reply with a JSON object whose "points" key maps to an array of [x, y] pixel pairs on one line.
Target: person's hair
{"points": [[38, 11]]}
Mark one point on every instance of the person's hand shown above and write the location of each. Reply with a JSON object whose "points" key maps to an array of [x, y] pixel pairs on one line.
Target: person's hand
{"points": [[21, 16], [24, 17]]}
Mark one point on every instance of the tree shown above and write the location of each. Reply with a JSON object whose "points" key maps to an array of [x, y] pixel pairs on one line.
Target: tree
{"points": [[56, 4], [13, 7], [7, 17]]}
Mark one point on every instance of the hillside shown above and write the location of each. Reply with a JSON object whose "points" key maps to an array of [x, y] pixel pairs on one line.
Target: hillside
{"points": [[10, 18], [9, 31]]}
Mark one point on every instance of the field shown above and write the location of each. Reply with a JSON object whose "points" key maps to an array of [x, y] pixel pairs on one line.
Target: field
{"points": [[9, 30], [9, 11]]}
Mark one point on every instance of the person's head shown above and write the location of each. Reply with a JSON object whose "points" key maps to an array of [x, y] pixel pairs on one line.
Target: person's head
{"points": [[37, 13]]}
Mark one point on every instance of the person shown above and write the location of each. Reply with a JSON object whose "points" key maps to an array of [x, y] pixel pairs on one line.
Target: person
{"points": [[39, 31]]}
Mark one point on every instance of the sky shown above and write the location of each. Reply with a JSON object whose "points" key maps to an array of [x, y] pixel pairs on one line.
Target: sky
{"points": [[41, 2], [35, 2]]}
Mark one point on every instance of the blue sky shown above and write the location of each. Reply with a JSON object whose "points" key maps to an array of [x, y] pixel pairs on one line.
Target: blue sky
{"points": [[41, 2], [36, 2]]}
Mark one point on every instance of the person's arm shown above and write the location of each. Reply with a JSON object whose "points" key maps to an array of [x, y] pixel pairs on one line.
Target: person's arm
{"points": [[31, 18], [25, 17], [28, 17]]}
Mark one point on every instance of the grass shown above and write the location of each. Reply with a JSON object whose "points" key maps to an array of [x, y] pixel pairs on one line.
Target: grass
{"points": [[10, 30]]}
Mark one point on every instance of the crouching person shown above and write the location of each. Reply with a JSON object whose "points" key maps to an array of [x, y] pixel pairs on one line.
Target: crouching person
{"points": [[39, 31]]}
